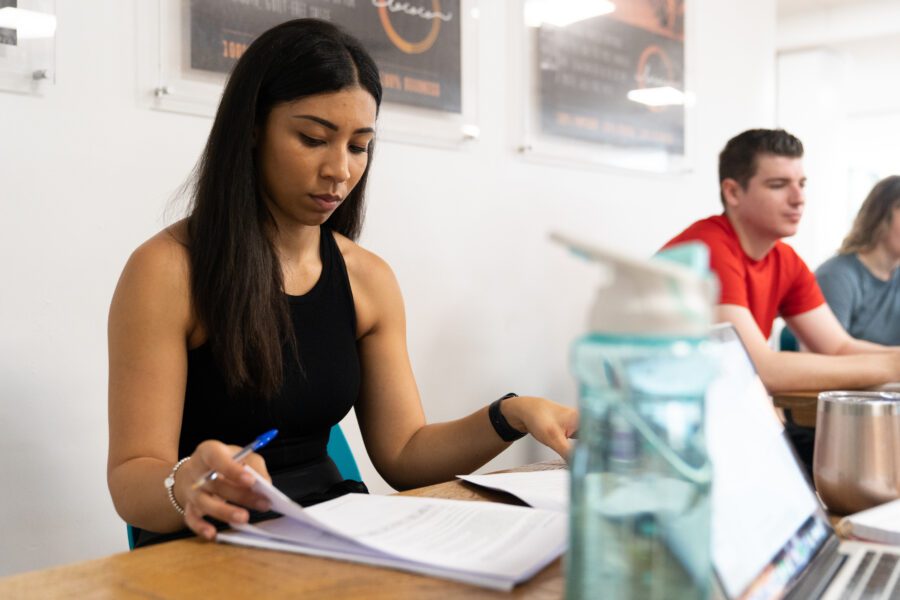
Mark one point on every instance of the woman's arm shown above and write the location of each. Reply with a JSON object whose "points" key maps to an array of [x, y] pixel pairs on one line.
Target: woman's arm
{"points": [[150, 323], [406, 451]]}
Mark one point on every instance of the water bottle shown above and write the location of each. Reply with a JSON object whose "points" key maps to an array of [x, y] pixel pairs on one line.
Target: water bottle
{"points": [[640, 473]]}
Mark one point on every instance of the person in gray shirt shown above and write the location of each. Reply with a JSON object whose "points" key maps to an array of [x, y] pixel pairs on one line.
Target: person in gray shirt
{"points": [[862, 283]]}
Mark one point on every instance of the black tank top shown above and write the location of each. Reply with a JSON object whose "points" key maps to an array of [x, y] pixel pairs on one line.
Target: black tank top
{"points": [[310, 401]]}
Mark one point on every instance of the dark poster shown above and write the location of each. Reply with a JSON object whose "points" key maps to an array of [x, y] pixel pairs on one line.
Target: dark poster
{"points": [[587, 69], [8, 37], [416, 43]]}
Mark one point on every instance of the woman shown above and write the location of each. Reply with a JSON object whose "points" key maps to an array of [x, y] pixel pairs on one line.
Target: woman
{"points": [[259, 311], [862, 283]]}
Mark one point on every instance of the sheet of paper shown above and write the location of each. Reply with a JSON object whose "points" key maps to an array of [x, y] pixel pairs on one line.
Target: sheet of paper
{"points": [[880, 523], [480, 537], [541, 489], [483, 539], [256, 541], [281, 503], [289, 530]]}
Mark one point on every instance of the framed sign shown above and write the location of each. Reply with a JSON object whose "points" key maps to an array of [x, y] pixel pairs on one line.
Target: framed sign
{"points": [[607, 82], [424, 50], [27, 45]]}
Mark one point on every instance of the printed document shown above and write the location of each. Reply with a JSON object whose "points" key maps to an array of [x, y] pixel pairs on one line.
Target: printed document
{"points": [[482, 543]]}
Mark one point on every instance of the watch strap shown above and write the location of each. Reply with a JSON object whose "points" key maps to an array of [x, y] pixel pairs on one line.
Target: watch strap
{"points": [[507, 432]]}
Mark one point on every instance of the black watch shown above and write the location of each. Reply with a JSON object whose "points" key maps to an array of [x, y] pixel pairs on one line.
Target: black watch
{"points": [[507, 432]]}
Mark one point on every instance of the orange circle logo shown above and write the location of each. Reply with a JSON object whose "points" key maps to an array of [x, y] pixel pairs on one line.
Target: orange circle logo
{"points": [[648, 70], [404, 45], [654, 68]]}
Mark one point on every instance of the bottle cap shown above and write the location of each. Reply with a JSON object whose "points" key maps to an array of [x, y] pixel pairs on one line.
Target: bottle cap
{"points": [[672, 294]]}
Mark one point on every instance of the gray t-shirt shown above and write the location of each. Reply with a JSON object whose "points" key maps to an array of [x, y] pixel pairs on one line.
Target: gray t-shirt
{"points": [[867, 307]]}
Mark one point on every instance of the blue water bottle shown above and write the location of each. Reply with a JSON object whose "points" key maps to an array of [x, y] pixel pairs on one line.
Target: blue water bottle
{"points": [[640, 474]]}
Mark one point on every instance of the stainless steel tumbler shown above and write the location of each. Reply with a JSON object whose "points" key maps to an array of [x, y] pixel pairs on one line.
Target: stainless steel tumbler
{"points": [[856, 462]]}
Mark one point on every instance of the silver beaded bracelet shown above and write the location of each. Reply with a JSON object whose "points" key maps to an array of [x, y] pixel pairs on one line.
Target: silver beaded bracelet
{"points": [[169, 482]]}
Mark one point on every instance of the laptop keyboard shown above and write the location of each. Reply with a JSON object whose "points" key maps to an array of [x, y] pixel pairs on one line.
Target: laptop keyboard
{"points": [[860, 571], [878, 581]]}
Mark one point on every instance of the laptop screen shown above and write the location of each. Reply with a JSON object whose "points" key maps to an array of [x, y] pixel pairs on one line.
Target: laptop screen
{"points": [[766, 521]]}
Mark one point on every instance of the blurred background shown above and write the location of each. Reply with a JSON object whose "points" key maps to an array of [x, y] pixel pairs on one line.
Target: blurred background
{"points": [[88, 171]]}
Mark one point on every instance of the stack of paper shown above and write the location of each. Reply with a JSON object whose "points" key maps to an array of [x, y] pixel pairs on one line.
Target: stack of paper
{"points": [[878, 524], [482, 543]]}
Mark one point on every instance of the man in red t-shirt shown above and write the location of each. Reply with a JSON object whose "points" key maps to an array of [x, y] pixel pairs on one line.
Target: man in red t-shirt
{"points": [[761, 185]]}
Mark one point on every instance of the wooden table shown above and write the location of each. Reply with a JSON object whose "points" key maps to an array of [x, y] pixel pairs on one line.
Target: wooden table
{"points": [[194, 569], [802, 406]]}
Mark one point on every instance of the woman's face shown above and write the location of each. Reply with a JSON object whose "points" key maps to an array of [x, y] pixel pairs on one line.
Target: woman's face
{"points": [[891, 238], [312, 152]]}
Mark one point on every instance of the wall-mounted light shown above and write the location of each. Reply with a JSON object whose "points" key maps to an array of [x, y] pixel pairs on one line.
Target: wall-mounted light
{"points": [[660, 96], [29, 24], [564, 12]]}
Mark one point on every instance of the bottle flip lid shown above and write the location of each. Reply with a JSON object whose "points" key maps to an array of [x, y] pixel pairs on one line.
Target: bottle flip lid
{"points": [[671, 294]]}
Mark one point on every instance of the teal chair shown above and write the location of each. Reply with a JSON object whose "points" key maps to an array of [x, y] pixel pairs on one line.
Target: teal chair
{"points": [[130, 536], [339, 451], [787, 342]]}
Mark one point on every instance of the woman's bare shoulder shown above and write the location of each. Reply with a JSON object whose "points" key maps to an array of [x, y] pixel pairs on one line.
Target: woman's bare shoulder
{"points": [[376, 293], [363, 265], [156, 278], [163, 258]]}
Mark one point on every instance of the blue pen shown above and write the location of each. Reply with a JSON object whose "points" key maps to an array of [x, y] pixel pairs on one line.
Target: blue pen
{"points": [[256, 444]]}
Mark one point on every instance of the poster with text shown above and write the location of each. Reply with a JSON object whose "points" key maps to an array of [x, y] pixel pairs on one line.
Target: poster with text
{"points": [[416, 43], [8, 37], [587, 69]]}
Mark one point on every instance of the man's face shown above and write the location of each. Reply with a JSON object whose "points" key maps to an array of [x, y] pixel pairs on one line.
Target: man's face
{"points": [[771, 205]]}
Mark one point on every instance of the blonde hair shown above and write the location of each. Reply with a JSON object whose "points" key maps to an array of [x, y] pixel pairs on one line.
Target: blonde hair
{"points": [[874, 216]]}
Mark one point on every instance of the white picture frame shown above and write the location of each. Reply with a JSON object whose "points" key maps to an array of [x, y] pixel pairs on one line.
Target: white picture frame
{"points": [[167, 83], [532, 142], [27, 46]]}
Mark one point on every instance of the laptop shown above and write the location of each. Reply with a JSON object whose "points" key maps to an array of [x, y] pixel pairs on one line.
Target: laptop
{"points": [[771, 538]]}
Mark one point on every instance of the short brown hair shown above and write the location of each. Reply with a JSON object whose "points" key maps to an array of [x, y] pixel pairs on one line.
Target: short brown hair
{"points": [[874, 216], [738, 159]]}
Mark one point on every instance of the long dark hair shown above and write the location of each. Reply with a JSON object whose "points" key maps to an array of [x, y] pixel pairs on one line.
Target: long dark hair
{"points": [[874, 216], [236, 280]]}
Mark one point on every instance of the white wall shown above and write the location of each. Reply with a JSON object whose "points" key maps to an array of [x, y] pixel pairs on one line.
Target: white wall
{"points": [[837, 92], [86, 175]]}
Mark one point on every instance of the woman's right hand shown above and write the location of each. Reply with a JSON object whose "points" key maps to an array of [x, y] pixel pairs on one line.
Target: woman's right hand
{"points": [[225, 497]]}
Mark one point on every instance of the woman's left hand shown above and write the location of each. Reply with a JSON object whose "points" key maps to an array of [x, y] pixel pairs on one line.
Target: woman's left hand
{"points": [[550, 423]]}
